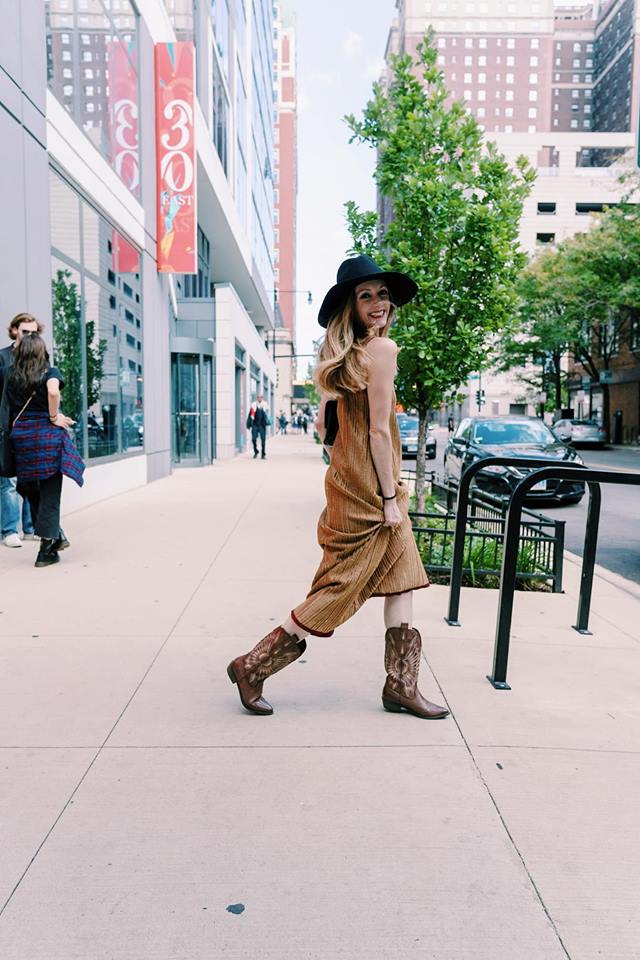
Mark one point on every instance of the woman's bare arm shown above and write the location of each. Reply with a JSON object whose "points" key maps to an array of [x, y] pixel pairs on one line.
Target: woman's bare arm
{"points": [[53, 397], [382, 370]]}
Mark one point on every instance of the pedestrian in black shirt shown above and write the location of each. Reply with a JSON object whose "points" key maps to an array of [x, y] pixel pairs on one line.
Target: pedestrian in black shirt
{"points": [[44, 449], [259, 424]]}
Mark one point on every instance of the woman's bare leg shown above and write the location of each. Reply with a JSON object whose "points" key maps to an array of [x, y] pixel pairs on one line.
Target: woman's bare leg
{"points": [[291, 627], [398, 609]]}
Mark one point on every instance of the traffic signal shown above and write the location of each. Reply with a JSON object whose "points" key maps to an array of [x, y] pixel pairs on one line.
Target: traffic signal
{"points": [[480, 397]]}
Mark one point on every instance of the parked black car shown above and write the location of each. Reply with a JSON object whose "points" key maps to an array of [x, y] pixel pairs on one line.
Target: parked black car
{"points": [[480, 437], [408, 426]]}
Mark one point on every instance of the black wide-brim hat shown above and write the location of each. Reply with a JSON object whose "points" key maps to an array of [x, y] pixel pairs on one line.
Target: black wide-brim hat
{"points": [[356, 270]]}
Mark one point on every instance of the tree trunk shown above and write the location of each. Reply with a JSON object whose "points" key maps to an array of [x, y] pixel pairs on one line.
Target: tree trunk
{"points": [[421, 457], [606, 410], [557, 381]]}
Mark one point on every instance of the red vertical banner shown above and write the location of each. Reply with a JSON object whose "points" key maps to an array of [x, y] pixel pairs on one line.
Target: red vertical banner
{"points": [[176, 157], [123, 114], [124, 256]]}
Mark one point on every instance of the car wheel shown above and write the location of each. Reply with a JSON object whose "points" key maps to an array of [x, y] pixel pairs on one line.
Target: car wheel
{"points": [[571, 502]]}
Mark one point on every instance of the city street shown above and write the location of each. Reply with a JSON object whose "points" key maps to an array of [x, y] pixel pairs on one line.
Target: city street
{"points": [[619, 533]]}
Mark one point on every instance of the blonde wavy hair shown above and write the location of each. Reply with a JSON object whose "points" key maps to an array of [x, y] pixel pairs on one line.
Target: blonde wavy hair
{"points": [[342, 360]]}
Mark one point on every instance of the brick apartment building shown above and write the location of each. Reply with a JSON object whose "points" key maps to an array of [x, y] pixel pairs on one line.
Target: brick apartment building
{"points": [[561, 84]]}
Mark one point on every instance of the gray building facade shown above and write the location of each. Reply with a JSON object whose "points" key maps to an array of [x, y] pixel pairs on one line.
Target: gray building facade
{"points": [[150, 360]]}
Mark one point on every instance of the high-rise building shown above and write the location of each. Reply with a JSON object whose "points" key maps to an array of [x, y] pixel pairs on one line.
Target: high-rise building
{"points": [[559, 83], [534, 66], [555, 82], [286, 200], [161, 368]]}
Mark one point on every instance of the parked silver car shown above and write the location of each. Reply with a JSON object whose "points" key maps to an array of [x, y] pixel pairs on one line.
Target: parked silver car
{"points": [[587, 432], [408, 426]]}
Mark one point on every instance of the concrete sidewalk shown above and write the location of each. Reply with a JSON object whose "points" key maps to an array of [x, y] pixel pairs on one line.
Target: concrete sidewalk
{"points": [[138, 802]]}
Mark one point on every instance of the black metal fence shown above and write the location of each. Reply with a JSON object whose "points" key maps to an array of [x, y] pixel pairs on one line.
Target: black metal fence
{"points": [[540, 548], [593, 477]]}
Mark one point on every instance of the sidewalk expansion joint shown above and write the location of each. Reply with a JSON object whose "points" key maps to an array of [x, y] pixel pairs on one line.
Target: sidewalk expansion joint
{"points": [[248, 503], [529, 746], [493, 800], [287, 746]]}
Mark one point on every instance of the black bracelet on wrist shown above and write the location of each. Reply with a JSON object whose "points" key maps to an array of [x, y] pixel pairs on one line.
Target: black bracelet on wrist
{"points": [[390, 498]]}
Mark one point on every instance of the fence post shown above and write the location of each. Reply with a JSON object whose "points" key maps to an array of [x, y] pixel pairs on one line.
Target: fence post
{"points": [[589, 559], [458, 548], [507, 579], [461, 523], [510, 544], [558, 555]]}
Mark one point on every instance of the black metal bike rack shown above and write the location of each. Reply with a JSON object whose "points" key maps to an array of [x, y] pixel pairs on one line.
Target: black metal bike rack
{"points": [[462, 517], [593, 478]]}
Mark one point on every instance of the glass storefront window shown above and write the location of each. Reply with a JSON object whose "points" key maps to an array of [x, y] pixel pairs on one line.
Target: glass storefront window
{"points": [[198, 285], [220, 124], [92, 69], [241, 27], [254, 381], [64, 204], [97, 325], [220, 20], [181, 16], [67, 342], [241, 108], [241, 186]]}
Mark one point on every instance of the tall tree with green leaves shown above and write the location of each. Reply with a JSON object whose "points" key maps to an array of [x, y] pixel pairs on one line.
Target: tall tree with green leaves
{"points": [[455, 207], [536, 342], [602, 281], [67, 347], [581, 298]]}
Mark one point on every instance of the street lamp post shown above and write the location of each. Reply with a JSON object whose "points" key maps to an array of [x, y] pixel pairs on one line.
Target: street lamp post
{"points": [[276, 291]]}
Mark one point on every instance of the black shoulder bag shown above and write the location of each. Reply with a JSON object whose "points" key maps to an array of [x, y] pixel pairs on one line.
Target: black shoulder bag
{"points": [[331, 424], [7, 452]]}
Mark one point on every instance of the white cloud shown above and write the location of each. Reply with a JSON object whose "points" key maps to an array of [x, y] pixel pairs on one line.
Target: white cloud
{"points": [[324, 79], [304, 100], [374, 69], [353, 43]]}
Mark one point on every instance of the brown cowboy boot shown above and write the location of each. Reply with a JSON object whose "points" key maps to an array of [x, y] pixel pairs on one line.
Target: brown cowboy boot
{"points": [[274, 652], [402, 663]]}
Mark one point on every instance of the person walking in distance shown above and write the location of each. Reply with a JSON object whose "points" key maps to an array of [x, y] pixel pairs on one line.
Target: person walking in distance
{"points": [[364, 531], [259, 427], [43, 448]]}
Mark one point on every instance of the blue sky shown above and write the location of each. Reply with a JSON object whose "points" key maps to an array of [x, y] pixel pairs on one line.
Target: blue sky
{"points": [[340, 51]]}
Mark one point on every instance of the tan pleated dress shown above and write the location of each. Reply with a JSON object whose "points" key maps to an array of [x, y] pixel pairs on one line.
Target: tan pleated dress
{"points": [[361, 557]]}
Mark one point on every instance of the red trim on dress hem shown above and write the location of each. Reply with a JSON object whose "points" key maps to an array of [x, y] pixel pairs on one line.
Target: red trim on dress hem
{"points": [[314, 633], [400, 592]]}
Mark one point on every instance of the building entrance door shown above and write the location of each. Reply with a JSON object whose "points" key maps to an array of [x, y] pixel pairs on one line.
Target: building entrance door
{"points": [[192, 409]]}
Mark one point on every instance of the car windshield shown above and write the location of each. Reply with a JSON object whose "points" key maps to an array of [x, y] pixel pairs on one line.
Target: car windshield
{"points": [[584, 423], [491, 432], [408, 424]]}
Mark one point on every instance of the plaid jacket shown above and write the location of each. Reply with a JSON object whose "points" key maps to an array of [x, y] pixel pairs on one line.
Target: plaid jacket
{"points": [[43, 449]]}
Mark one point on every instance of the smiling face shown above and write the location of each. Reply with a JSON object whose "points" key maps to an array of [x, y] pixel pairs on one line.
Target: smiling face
{"points": [[373, 305]]}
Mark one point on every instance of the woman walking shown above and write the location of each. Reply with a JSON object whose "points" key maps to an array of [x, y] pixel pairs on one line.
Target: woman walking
{"points": [[364, 531], [43, 448]]}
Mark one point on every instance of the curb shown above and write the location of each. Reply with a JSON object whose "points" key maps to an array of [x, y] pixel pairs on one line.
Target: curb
{"points": [[629, 586]]}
